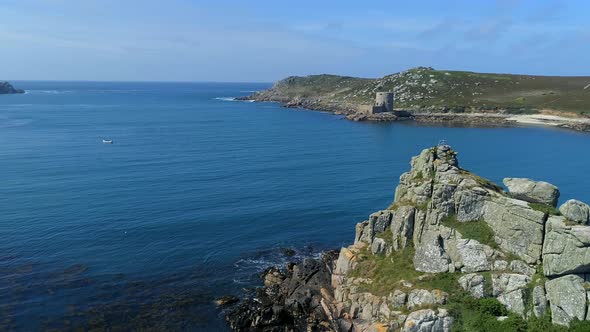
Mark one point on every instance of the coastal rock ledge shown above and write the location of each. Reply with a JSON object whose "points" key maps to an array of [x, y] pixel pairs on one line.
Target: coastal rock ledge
{"points": [[454, 251]]}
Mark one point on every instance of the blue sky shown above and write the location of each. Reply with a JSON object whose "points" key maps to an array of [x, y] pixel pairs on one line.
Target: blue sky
{"points": [[190, 40]]}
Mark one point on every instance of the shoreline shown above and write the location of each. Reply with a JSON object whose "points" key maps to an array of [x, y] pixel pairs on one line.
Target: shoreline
{"points": [[476, 119]]}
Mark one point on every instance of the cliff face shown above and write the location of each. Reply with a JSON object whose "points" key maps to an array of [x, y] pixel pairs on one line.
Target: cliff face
{"points": [[7, 88], [456, 252]]}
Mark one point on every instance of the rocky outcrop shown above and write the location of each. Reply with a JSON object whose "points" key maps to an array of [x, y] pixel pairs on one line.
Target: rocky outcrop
{"points": [[509, 289], [576, 211], [532, 191], [566, 248], [7, 88], [296, 299], [539, 301], [473, 283], [567, 298], [430, 255], [518, 228], [475, 256], [428, 320], [346, 261], [402, 227], [422, 297], [445, 227]]}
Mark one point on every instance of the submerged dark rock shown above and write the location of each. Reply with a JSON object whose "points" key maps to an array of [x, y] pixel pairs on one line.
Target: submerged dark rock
{"points": [[226, 300], [293, 299], [289, 252], [7, 88]]}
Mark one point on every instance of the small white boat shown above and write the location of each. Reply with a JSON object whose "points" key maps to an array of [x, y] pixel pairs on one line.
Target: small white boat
{"points": [[107, 141]]}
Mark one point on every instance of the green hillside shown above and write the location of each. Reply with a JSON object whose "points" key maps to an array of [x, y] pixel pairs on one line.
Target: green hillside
{"points": [[458, 91]]}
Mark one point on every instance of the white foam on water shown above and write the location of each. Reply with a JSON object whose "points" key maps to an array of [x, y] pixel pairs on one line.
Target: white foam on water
{"points": [[225, 98], [49, 92]]}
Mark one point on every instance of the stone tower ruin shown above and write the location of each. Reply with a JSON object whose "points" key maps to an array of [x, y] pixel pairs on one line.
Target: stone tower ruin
{"points": [[383, 102]]}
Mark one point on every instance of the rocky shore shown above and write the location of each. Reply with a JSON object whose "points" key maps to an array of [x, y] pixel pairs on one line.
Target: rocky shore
{"points": [[454, 252], [434, 115], [7, 88]]}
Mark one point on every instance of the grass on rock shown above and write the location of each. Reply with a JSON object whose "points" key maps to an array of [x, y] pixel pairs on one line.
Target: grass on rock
{"points": [[476, 230], [545, 208]]}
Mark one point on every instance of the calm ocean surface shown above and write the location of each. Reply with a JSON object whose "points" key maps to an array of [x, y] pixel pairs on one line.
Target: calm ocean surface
{"points": [[199, 193]]}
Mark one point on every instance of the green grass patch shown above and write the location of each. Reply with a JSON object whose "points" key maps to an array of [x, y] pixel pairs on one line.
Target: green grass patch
{"points": [[545, 208], [487, 286], [387, 236], [385, 272], [487, 183], [447, 282], [476, 230]]}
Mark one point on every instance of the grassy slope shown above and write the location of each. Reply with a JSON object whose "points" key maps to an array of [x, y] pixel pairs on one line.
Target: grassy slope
{"points": [[456, 90]]}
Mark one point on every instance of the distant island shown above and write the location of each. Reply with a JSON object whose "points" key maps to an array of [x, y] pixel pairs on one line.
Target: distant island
{"points": [[7, 88], [428, 95]]}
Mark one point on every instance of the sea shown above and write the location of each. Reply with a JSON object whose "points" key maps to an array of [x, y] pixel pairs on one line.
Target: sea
{"points": [[199, 193]]}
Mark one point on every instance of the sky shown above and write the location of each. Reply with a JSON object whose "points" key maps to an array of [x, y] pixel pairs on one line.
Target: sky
{"points": [[264, 41]]}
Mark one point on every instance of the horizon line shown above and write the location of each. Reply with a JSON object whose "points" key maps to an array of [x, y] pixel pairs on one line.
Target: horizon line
{"points": [[129, 81]]}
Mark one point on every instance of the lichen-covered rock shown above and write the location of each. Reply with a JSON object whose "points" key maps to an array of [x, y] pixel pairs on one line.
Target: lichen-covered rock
{"points": [[500, 265], [566, 248], [423, 297], [430, 256], [470, 204], [379, 246], [397, 299], [509, 288], [576, 211], [402, 227], [518, 229], [428, 320], [440, 297], [532, 191], [567, 299], [363, 233], [379, 221], [521, 267], [473, 283], [539, 301], [419, 297], [416, 185], [476, 257]]}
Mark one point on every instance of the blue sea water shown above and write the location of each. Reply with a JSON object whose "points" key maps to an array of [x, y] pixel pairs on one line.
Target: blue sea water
{"points": [[199, 193]]}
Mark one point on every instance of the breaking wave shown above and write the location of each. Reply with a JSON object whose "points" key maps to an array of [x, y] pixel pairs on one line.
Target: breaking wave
{"points": [[225, 98]]}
